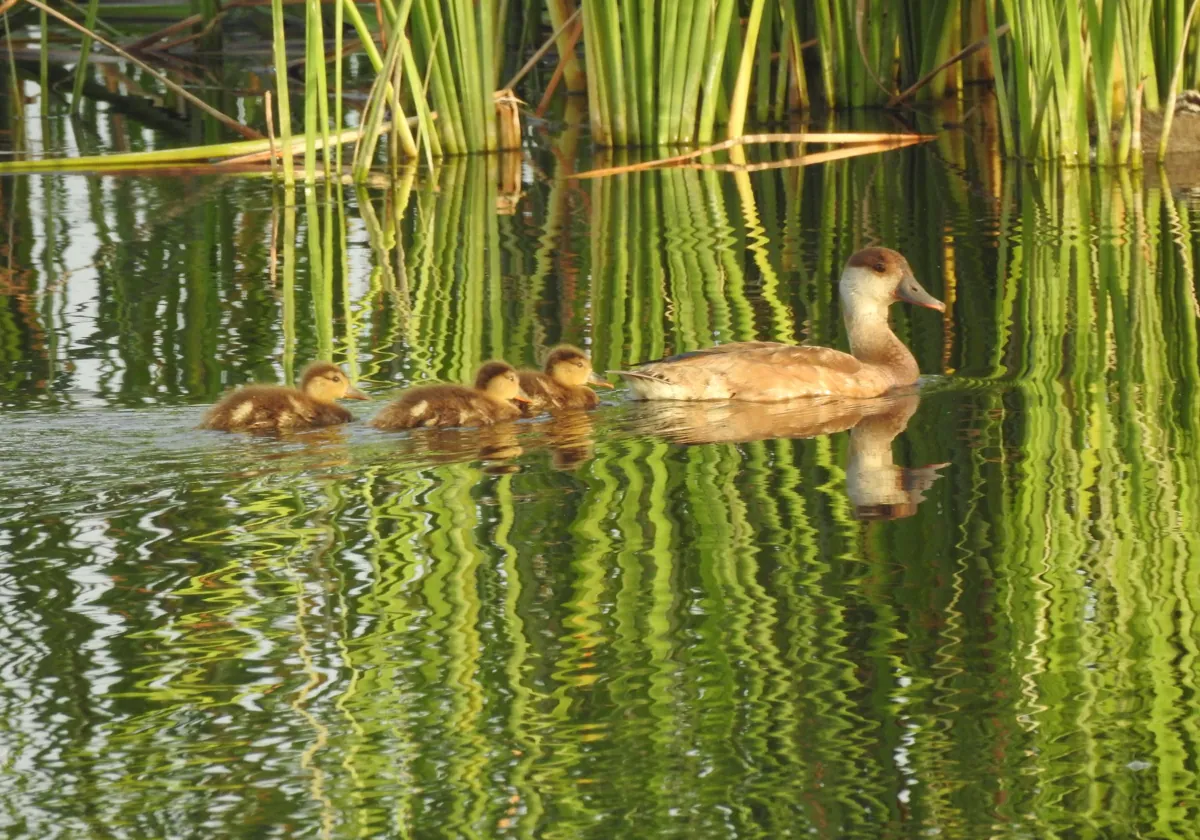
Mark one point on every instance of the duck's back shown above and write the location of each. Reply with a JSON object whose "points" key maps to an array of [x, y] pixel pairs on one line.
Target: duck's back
{"points": [[443, 405], [547, 395], [265, 408], [759, 371]]}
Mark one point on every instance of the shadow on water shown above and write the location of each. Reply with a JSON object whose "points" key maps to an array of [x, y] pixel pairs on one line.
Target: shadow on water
{"points": [[704, 620]]}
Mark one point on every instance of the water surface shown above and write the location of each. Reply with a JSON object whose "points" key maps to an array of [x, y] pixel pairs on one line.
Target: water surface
{"points": [[967, 612]]}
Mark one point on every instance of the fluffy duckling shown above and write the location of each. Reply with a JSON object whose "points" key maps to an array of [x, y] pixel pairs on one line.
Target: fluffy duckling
{"points": [[490, 401], [562, 384], [272, 408]]}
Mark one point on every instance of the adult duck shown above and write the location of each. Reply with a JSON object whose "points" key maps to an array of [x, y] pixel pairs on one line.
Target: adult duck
{"points": [[434, 406], [563, 382], [274, 408], [767, 371]]}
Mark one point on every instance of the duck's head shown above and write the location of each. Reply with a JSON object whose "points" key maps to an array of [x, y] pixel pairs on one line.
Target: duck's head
{"points": [[499, 381], [569, 365], [877, 277], [326, 382]]}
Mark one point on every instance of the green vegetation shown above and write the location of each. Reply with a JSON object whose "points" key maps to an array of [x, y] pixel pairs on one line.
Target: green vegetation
{"points": [[670, 72]]}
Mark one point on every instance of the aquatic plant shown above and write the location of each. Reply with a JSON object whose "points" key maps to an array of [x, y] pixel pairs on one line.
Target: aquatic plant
{"points": [[1066, 77]]}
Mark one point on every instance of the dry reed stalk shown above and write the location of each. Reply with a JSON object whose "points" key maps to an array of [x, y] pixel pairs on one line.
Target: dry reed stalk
{"points": [[225, 120], [749, 139]]}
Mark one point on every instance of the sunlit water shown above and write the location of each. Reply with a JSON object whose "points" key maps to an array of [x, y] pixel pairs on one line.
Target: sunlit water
{"points": [[969, 612]]}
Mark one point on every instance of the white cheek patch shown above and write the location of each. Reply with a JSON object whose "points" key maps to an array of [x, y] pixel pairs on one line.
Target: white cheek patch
{"points": [[418, 410]]}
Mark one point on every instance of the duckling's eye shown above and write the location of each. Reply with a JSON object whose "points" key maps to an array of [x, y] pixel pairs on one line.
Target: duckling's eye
{"points": [[579, 363], [880, 267]]}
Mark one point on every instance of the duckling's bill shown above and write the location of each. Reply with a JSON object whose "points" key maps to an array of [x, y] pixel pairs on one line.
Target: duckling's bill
{"points": [[594, 379]]}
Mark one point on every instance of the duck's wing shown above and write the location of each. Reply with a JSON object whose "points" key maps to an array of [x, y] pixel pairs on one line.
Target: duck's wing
{"points": [[255, 408], [542, 391], [432, 406], [759, 371]]}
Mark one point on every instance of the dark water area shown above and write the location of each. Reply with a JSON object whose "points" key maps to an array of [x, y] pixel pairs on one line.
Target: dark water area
{"points": [[967, 612]]}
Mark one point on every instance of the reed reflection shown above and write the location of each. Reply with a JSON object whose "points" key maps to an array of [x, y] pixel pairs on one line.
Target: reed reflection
{"points": [[876, 486]]}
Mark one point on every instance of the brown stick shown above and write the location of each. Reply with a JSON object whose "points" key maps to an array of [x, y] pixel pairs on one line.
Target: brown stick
{"points": [[270, 128], [533, 59], [193, 36], [559, 71], [805, 160], [382, 28], [1001, 31], [243, 130], [747, 139], [171, 29], [155, 37]]}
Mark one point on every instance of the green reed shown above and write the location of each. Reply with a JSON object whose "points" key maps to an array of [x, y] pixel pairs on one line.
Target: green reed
{"points": [[672, 72]]}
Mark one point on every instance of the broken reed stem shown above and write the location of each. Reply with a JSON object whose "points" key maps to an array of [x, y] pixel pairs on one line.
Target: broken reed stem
{"points": [[1001, 31], [542, 50], [805, 160], [749, 139], [560, 70], [270, 131]]}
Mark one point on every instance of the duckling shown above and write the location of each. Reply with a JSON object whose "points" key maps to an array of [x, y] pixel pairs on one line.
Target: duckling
{"points": [[267, 408], [562, 384], [490, 401]]}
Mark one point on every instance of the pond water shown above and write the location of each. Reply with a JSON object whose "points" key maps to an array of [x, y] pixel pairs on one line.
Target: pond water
{"points": [[969, 612]]}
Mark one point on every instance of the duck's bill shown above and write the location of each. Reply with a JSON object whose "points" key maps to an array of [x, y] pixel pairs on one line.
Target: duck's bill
{"points": [[355, 394], [595, 379], [521, 398], [910, 291]]}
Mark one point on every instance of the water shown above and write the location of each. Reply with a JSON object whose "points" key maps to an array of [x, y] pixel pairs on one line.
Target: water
{"points": [[968, 613]]}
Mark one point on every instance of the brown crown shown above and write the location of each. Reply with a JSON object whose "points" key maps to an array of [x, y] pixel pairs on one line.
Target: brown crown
{"points": [[489, 371], [879, 260], [318, 370], [564, 353]]}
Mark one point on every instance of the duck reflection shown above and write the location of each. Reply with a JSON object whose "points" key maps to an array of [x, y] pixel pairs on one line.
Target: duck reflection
{"points": [[569, 436], [877, 488], [496, 446]]}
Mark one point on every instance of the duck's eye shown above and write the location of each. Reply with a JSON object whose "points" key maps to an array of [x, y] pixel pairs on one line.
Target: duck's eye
{"points": [[880, 267], [579, 363]]}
